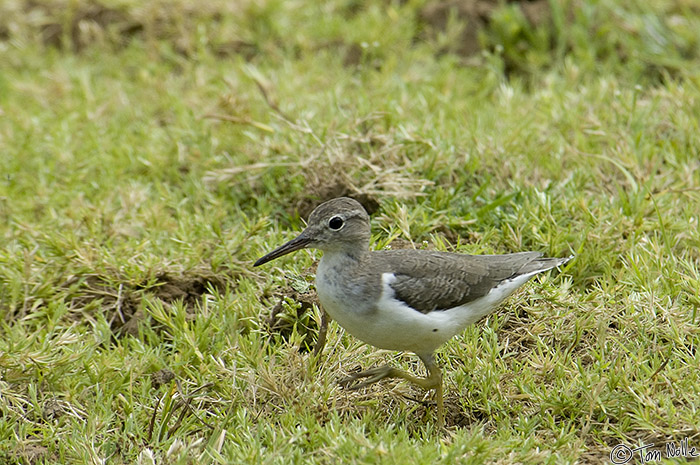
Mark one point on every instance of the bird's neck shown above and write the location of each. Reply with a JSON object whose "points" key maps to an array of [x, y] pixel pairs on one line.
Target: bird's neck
{"points": [[343, 258], [346, 250]]}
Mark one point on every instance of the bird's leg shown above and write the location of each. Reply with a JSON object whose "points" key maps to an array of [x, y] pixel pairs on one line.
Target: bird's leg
{"points": [[322, 332], [435, 379], [432, 381]]}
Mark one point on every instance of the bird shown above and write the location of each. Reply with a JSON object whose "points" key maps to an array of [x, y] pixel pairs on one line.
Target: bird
{"points": [[403, 300]]}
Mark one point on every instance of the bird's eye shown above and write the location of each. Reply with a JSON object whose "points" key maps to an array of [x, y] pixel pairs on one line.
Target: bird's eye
{"points": [[335, 223]]}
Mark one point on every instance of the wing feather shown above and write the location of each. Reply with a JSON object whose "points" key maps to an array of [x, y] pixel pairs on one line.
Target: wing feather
{"points": [[428, 281]]}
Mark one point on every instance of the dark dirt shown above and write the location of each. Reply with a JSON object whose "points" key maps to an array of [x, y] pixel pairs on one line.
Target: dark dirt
{"points": [[30, 454], [281, 323], [318, 191], [121, 302], [52, 410], [161, 377], [475, 15], [77, 25], [85, 21]]}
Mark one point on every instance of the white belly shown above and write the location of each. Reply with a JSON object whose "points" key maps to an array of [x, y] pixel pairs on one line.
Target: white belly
{"points": [[388, 323]]}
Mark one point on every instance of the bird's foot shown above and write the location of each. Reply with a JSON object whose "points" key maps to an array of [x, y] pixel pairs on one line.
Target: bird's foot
{"points": [[433, 381], [353, 382]]}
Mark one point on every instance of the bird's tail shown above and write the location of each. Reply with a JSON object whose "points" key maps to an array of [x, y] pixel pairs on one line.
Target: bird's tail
{"points": [[541, 264]]}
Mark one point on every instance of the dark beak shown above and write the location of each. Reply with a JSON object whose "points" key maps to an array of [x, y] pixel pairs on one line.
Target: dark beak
{"points": [[297, 243]]}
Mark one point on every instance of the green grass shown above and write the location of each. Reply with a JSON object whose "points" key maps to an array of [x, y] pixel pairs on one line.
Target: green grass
{"points": [[151, 154]]}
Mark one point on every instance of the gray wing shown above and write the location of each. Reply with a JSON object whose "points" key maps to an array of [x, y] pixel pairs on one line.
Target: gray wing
{"points": [[428, 281]]}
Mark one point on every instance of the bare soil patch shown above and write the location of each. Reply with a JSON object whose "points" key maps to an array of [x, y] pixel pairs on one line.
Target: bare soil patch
{"points": [[475, 15], [121, 302]]}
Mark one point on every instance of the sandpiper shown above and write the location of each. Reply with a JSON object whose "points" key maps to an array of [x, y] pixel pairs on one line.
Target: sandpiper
{"points": [[413, 300]]}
